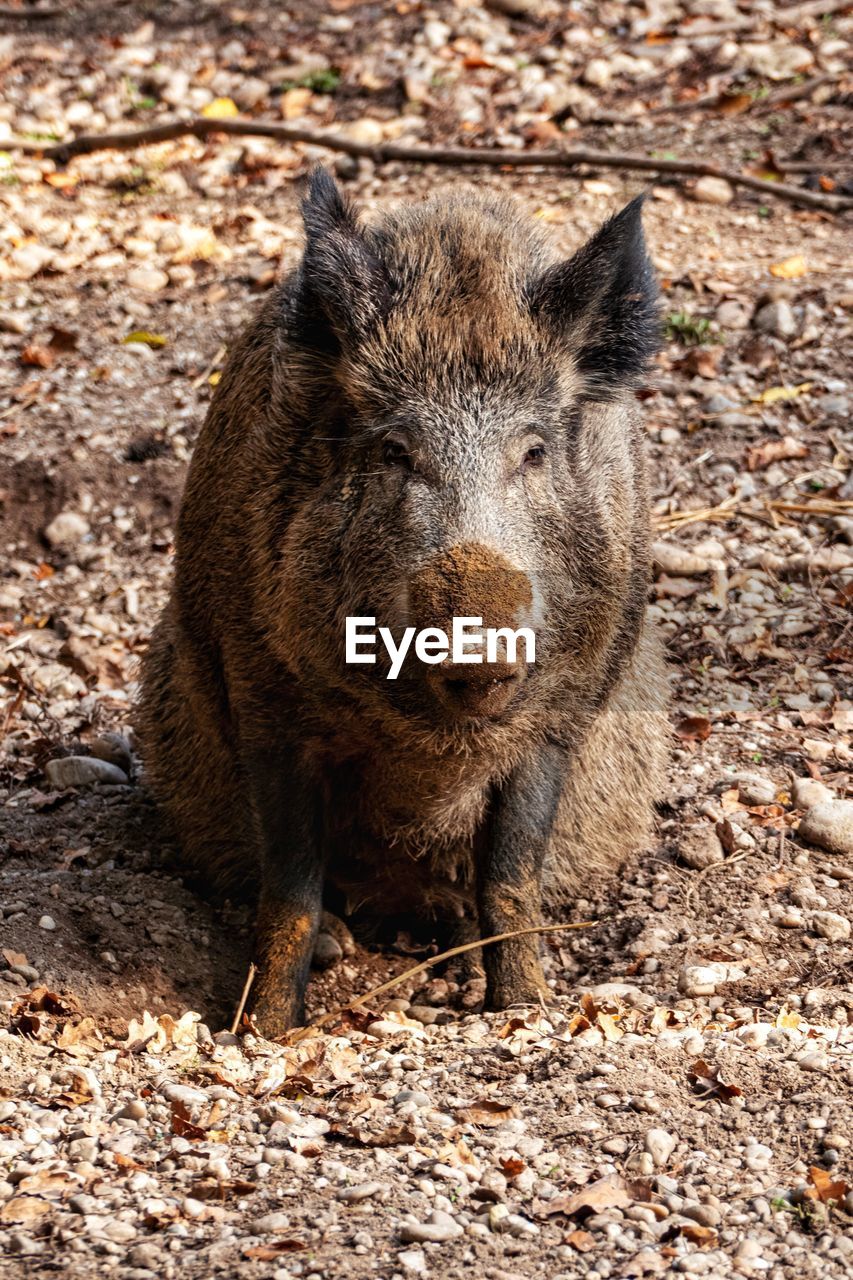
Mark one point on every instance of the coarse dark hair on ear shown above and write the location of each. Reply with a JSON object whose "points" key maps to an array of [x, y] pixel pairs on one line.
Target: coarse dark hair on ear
{"points": [[604, 302], [342, 285]]}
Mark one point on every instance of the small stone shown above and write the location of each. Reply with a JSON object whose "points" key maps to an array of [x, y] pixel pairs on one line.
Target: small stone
{"points": [[66, 529], [777, 60], [598, 72], [705, 1214], [830, 925], [515, 1225], [114, 748], [437, 1230], [270, 1222], [679, 561], [757, 1157], [829, 825], [29, 259], [147, 279], [47, 923], [423, 1013], [135, 1109], [700, 847], [813, 1062], [364, 1191], [732, 314], [776, 318], [710, 190], [146, 1256], [755, 1034], [807, 792], [719, 403], [413, 1261], [755, 789], [327, 951], [82, 771], [660, 1146], [700, 980]]}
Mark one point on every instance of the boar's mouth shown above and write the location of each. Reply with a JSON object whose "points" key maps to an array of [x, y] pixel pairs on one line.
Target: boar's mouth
{"points": [[485, 694]]}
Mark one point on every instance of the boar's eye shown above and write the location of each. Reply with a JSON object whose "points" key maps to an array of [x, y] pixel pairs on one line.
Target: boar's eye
{"points": [[535, 456], [396, 454]]}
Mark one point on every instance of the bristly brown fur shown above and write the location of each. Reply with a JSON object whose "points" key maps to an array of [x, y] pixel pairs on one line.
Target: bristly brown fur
{"points": [[452, 323]]}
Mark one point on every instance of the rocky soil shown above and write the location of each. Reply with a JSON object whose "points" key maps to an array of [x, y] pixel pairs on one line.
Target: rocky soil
{"points": [[685, 1102]]}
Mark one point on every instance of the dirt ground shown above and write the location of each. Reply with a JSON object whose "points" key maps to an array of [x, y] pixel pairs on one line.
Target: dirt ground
{"points": [[686, 1102]]}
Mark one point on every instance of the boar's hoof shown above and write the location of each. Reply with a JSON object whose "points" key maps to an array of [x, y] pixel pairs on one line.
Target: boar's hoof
{"points": [[523, 987], [327, 951], [334, 941], [276, 1011]]}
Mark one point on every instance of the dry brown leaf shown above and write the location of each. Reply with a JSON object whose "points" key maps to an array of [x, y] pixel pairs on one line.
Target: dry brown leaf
{"points": [[710, 1083], [608, 1025], [214, 1189], [842, 716], [612, 1192], [13, 957], [275, 1249], [48, 1182], [511, 1167], [583, 1241], [733, 104], [25, 1209], [789, 268], [126, 1162], [824, 1189], [83, 1033], [697, 1234], [762, 455], [693, 729], [183, 1126], [392, 1136], [486, 1113], [37, 356]]}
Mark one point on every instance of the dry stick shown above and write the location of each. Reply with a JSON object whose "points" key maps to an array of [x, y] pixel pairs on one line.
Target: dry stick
{"points": [[31, 13], [202, 128], [294, 1037], [780, 18], [250, 978]]}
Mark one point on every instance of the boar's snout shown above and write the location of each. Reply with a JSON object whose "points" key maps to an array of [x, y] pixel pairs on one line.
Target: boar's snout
{"points": [[474, 581]]}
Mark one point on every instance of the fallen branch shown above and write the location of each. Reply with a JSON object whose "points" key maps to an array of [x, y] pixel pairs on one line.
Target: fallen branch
{"points": [[733, 507], [30, 13], [778, 18], [382, 153], [300, 1033]]}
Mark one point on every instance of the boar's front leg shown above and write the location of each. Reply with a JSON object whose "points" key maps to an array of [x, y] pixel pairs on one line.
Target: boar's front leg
{"points": [[288, 813], [510, 872]]}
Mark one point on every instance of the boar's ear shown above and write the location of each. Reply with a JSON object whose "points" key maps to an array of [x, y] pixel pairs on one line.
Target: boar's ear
{"points": [[342, 284], [604, 301]]}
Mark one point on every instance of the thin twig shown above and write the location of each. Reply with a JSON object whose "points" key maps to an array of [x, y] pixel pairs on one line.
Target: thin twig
{"points": [[30, 13], [384, 152], [780, 17], [247, 985], [293, 1037], [205, 373], [707, 871], [793, 92]]}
